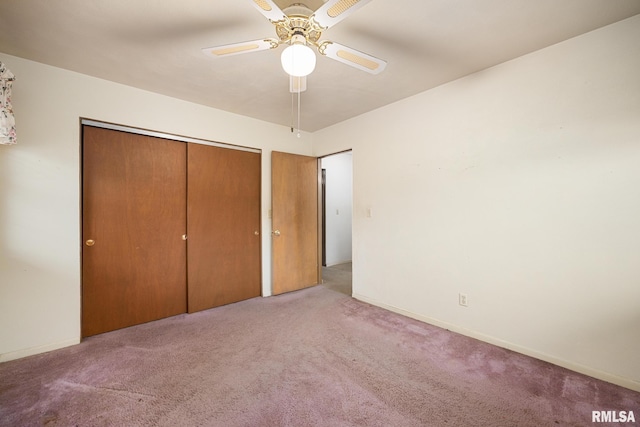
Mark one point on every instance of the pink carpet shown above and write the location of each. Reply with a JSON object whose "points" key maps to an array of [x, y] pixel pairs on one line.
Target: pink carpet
{"points": [[309, 358]]}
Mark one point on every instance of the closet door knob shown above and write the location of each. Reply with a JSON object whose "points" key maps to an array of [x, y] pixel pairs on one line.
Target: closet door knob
{"points": [[90, 242], [257, 233], [276, 233], [184, 237]]}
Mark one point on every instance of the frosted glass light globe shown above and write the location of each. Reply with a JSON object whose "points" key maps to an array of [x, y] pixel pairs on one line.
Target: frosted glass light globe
{"points": [[298, 60]]}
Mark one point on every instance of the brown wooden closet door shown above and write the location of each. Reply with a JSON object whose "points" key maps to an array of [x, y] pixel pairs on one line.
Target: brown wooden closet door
{"points": [[134, 217], [294, 200], [223, 220]]}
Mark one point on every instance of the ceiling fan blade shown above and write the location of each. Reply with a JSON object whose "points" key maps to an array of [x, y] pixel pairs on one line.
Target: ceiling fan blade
{"points": [[352, 57], [335, 11], [269, 9], [238, 48]]}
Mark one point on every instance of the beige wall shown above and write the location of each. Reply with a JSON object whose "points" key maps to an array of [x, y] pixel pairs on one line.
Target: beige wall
{"points": [[519, 186], [40, 190]]}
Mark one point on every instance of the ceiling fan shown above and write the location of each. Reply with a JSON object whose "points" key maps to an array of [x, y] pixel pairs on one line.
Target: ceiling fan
{"points": [[300, 27]]}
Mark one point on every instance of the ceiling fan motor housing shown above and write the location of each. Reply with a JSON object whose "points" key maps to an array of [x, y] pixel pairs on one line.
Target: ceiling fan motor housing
{"points": [[297, 22]]}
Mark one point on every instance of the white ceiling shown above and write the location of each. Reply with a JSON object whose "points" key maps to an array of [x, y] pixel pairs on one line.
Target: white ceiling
{"points": [[155, 45]]}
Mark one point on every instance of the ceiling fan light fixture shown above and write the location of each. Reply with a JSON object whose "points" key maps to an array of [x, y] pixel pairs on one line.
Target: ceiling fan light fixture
{"points": [[298, 60]]}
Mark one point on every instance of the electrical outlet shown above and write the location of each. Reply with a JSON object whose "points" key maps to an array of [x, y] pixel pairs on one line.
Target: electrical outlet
{"points": [[462, 300]]}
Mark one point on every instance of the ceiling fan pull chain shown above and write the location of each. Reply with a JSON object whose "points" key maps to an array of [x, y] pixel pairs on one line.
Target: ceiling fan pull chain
{"points": [[292, 119], [298, 109]]}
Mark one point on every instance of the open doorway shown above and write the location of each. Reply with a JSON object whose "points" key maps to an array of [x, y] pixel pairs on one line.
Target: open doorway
{"points": [[337, 208]]}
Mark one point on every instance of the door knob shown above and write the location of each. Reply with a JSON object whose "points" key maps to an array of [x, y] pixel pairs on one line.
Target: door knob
{"points": [[184, 237], [257, 233], [90, 242], [276, 233]]}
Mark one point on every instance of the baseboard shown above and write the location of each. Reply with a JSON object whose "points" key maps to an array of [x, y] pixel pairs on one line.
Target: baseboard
{"points": [[594, 373], [338, 263], [5, 357]]}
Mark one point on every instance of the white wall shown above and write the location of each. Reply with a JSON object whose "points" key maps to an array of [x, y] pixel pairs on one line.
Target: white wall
{"points": [[519, 186], [339, 205], [40, 190]]}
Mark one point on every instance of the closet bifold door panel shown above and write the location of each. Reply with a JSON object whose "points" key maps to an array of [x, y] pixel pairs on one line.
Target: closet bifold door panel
{"points": [[223, 226], [133, 223]]}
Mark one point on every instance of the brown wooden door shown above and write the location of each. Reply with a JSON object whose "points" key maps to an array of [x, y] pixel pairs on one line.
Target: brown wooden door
{"points": [[134, 217], [294, 192], [223, 218]]}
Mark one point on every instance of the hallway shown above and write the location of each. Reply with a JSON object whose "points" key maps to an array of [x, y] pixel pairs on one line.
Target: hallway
{"points": [[338, 278]]}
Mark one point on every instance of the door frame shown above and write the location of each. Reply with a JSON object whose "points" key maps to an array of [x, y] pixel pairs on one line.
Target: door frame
{"points": [[322, 212], [163, 135]]}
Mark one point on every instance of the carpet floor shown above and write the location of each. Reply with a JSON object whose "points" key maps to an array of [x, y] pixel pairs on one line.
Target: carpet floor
{"points": [[309, 358]]}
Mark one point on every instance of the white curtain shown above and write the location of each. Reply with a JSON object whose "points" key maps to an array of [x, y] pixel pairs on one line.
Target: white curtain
{"points": [[7, 120]]}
